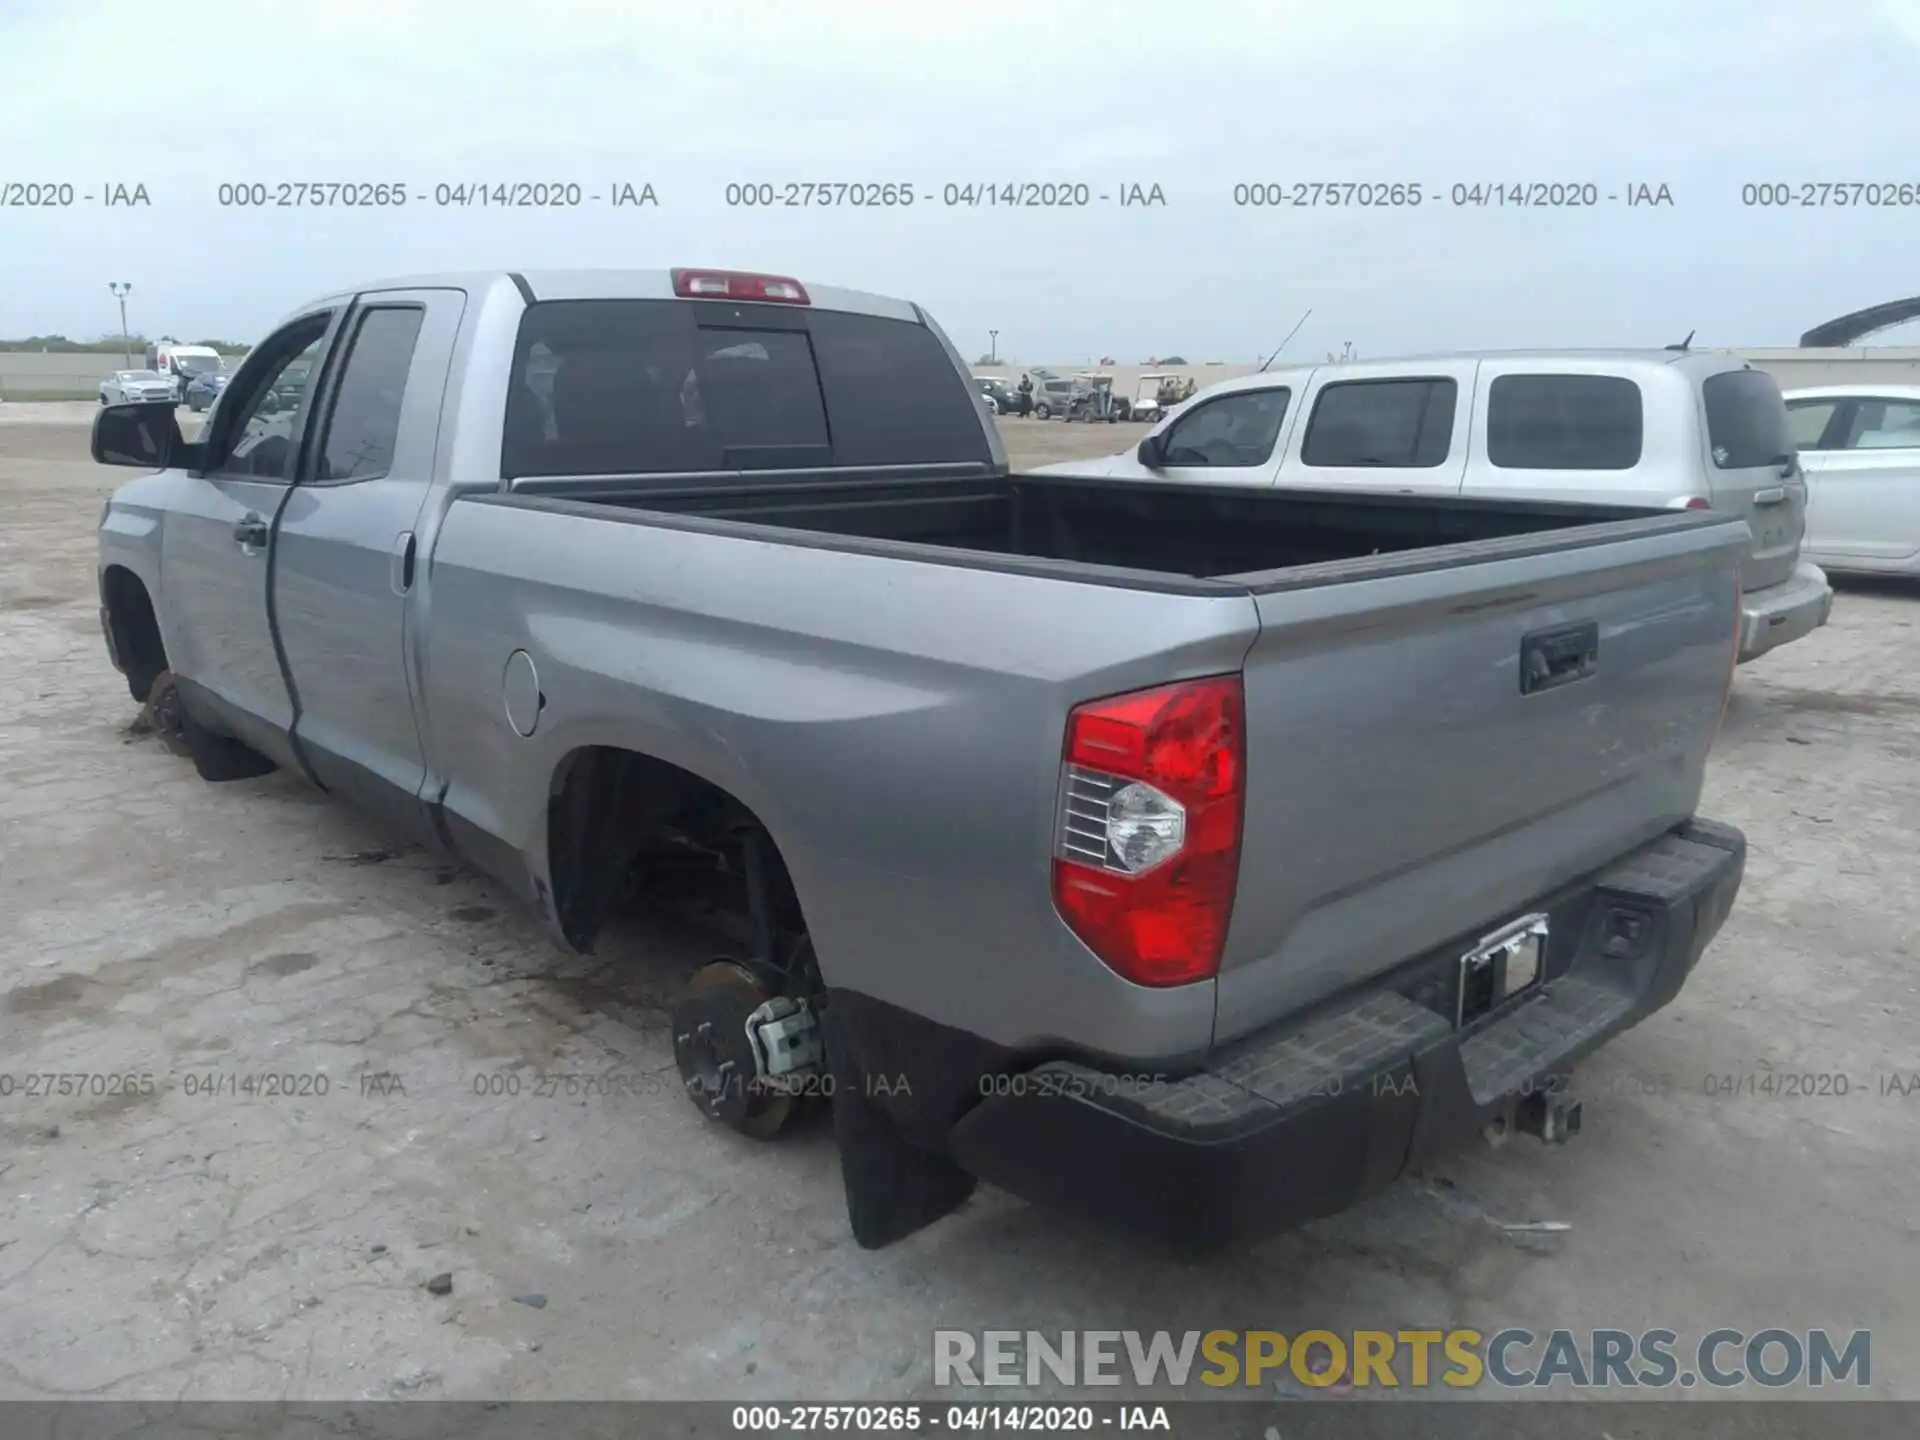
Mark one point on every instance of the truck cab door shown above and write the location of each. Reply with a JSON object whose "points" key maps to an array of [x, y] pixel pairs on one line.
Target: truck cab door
{"points": [[215, 542], [1397, 432], [349, 554], [1231, 439]]}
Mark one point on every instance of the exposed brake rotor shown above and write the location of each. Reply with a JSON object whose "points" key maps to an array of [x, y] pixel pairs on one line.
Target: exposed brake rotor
{"points": [[716, 1058]]}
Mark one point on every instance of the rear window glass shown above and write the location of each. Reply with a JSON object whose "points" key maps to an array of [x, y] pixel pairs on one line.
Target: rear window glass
{"points": [[892, 392], [619, 387], [1564, 422], [1373, 423], [1746, 420]]}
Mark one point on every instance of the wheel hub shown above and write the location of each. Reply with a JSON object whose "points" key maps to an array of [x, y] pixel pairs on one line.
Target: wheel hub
{"points": [[714, 1056]]}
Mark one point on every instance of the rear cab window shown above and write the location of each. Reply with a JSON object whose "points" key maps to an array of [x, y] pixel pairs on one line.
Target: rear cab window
{"points": [[1564, 422], [634, 387], [1382, 423], [364, 425]]}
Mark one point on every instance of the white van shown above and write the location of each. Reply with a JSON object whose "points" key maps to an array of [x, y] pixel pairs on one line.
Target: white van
{"points": [[180, 363], [1659, 428]]}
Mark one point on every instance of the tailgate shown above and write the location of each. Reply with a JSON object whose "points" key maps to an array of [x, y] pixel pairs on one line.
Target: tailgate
{"points": [[1404, 791]]}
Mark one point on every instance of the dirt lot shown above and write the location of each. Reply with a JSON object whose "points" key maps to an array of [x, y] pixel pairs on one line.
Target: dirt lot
{"points": [[166, 1244]]}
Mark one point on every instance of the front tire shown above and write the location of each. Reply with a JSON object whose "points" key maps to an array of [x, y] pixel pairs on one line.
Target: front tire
{"points": [[1042, 411]]}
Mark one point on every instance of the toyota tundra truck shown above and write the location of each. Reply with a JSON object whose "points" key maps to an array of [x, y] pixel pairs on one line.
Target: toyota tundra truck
{"points": [[1196, 858]]}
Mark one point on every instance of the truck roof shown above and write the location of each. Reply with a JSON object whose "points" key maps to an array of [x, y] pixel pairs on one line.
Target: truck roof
{"points": [[538, 285]]}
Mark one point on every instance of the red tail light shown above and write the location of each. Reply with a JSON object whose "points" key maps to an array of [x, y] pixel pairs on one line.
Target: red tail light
{"points": [[738, 285], [1148, 850], [1698, 502]]}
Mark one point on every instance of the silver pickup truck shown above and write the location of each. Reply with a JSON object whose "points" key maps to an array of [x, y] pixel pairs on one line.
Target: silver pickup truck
{"points": [[1197, 858]]}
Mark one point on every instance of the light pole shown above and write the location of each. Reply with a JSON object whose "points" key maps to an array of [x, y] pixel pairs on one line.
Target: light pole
{"points": [[993, 347], [121, 289]]}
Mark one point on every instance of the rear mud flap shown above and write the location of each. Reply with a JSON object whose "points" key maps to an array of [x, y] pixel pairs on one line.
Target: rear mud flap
{"points": [[894, 1188]]}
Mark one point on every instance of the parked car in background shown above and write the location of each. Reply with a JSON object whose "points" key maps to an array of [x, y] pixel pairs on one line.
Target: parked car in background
{"points": [[128, 387], [1688, 430], [1051, 396], [204, 389], [1860, 446], [1198, 859], [1003, 397]]}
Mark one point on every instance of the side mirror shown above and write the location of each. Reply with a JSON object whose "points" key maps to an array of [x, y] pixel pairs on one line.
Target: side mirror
{"points": [[145, 436], [1152, 452]]}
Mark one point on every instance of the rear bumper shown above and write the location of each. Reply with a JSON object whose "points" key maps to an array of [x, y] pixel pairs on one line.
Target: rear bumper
{"points": [[1795, 607], [1303, 1120]]}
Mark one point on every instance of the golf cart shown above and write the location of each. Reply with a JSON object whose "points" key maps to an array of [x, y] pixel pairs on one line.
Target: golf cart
{"points": [[1091, 398], [1155, 394]]}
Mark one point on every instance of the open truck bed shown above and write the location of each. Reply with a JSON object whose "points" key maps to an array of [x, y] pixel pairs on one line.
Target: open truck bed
{"points": [[1160, 534]]}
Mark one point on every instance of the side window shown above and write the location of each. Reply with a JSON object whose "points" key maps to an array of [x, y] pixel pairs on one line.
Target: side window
{"points": [[1564, 422], [364, 421], [1404, 424], [259, 427], [1808, 421], [1235, 430], [1885, 425]]}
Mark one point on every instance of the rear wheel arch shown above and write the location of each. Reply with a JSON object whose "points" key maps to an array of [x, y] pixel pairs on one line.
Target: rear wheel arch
{"points": [[136, 628], [605, 803]]}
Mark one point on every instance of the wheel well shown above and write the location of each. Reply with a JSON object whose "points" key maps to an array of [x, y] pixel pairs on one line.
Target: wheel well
{"points": [[613, 815], [136, 629]]}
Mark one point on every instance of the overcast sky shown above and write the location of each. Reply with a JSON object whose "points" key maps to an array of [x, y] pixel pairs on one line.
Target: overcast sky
{"points": [[1702, 96]]}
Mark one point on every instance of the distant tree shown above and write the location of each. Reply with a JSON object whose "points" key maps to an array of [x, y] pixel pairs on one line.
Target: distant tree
{"points": [[225, 347], [61, 345], [987, 360], [1171, 360]]}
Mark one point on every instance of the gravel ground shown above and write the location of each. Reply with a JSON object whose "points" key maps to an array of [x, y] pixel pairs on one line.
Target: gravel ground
{"points": [[162, 1244]]}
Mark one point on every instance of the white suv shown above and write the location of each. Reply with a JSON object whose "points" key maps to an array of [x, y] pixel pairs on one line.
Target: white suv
{"points": [[1657, 428]]}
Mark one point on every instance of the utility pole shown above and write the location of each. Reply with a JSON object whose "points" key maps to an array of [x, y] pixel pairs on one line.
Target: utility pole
{"points": [[993, 346], [121, 289]]}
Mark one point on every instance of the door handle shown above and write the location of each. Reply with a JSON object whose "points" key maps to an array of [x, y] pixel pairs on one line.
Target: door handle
{"points": [[251, 531], [1771, 496], [402, 569]]}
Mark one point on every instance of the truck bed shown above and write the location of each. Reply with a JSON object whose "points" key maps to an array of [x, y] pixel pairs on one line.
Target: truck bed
{"points": [[1145, 528]]}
